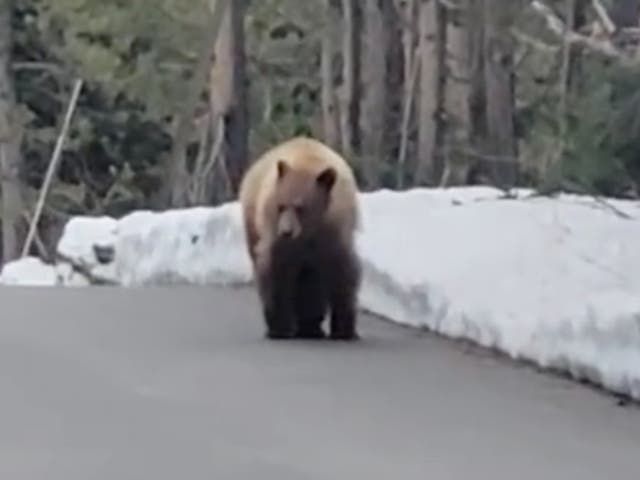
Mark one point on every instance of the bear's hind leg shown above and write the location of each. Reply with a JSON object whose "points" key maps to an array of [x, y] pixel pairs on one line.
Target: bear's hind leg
{"points": [[344, 282], [310, 303]]}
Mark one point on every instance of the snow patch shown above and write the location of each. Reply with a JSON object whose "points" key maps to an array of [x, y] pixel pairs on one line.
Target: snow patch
{"points": [[29, 271], [33, 272], [88, 243]]}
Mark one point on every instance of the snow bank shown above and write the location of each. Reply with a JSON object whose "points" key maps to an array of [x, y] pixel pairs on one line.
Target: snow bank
{"points": [[89, 244], [197, 245], [553, 281], [29, 271]]}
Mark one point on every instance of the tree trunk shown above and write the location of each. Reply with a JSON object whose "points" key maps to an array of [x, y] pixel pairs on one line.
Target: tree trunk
{"points": [[350, 106], [478, 100], [10, 155], [432, 46], [565, 79], [175, 189], [407, 12], [229, 93], [236, 114], [458, 94], [397, 87], [330, 120], [374, 92], [499, 82]]}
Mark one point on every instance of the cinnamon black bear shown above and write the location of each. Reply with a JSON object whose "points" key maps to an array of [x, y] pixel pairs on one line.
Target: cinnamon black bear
{"points": [[300, 211]]}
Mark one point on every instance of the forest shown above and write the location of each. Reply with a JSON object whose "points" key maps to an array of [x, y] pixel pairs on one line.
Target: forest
{"points": [[108, 106]]}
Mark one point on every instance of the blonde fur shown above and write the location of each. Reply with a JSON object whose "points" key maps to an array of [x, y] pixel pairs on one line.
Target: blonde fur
{"points": [[306, 154]]}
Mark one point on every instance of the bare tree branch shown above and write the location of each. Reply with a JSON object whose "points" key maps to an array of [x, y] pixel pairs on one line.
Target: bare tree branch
{"points": [[53, 166], [556, 25], [603, 17]]}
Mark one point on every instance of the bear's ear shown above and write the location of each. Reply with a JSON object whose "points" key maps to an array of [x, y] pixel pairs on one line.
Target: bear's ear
{"points": [[326, 179], [283, 168]]}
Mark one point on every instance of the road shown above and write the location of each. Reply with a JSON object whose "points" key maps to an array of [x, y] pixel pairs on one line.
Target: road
{"points": [[178, 383]]}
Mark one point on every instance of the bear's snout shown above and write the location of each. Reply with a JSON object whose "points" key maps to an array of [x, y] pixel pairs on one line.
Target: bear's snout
{"points": [[288, 225]]}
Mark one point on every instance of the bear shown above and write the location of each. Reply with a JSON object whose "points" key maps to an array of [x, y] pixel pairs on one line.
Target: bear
{"points": [[300, 215]]}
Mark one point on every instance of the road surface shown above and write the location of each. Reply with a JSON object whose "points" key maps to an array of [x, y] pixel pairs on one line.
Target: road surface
{"points": [[179, 384]]}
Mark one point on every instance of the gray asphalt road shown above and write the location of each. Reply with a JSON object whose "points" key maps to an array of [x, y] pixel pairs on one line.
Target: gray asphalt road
{"points": [[179, 384]]}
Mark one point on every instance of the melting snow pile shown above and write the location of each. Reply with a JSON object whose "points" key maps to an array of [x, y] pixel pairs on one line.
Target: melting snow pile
{"points": [[555, 281]]}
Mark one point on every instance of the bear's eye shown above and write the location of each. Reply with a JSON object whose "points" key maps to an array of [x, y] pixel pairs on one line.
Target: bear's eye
{"points": [[300, 210], [281, 208]]}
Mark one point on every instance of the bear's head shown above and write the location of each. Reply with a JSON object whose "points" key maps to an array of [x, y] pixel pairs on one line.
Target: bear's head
{"points": [[301, 200]]}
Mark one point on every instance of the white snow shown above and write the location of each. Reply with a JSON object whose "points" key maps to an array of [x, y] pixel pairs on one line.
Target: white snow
{"points": [[82, 237], [197, 245], [33, 272], [554, 281], [29, 271]]}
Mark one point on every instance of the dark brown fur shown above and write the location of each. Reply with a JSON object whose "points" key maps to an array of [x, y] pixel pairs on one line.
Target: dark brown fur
{"points": [[304, 280]]}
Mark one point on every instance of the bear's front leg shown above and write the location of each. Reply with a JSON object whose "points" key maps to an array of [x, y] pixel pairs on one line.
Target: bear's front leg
{"points": [[344, 283], [276, 291], [311, 303], [278, 312]]}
